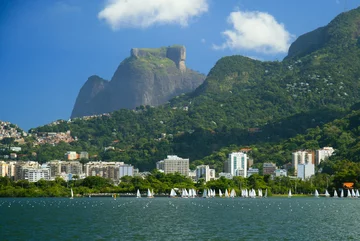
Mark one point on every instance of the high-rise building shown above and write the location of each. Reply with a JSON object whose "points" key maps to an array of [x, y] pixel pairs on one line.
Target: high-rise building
{"points": [[305, 171], [160, 165], [34, 175], [126, 170], [109, 170], [173, 164], [236, 164], [301, 157], [205, 172], [4, 169], [269, 168], [323, 153]]}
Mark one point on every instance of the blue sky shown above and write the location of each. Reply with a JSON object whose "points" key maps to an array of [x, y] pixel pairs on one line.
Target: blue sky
{"points": [[48, 49]]}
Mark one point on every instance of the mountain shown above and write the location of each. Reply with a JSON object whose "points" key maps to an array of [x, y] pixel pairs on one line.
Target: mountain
{"points": [[241, 102], [147, 77]]}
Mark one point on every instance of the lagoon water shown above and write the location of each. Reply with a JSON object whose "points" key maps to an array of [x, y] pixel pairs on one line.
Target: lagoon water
{"points": [[179, 219]]}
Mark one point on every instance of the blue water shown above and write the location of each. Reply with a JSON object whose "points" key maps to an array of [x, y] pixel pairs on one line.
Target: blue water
{"points": [[179, 219]]}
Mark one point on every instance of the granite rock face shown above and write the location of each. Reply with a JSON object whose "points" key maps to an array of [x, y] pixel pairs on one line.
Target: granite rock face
{"points": [[147, 77]]}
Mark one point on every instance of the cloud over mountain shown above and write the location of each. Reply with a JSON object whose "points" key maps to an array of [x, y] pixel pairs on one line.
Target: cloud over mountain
{"points": [[143, 14], [255, 31]]}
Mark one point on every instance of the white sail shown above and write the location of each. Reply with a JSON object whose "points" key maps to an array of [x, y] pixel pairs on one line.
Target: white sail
{"points": [[213, 193], [342, 193], [194, 193], [353, 193], [149, 194], [316, 193], [348, 193], [289, 195], [220, 193], [204, 194], [266, 193], [138, 195], [172, 193], [232, 193], [246, 193], [260, 193], [335, 194], [327, 193], [72, 194], [226, 193], [357, 193]]}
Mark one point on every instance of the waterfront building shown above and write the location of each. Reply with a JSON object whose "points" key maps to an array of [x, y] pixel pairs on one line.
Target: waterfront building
{"points": [[126, 170], [269, 168], [252, 171], [173, 164], [4, 169], [323, 154], [305, 171], [203, 172], [160, 165], [36, 174], [301, 157], [109, 170], [280, 173], [236, 164], [226, 175]]}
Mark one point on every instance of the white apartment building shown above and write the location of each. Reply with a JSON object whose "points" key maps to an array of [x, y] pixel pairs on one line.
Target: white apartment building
{"points": [[323, 153], [34, 175], [252, 171], [301, 157], [126, 170], [204, 171], [305, 171], [173, 164], [236, 164]]}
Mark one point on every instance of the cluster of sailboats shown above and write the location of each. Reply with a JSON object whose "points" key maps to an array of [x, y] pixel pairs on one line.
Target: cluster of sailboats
{"points": [[350, 193], [208, 193]]}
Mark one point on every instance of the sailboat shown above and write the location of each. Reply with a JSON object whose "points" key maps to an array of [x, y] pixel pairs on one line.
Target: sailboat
{"points": [[342, 193], [327, 193], [114, 196], [353, 193], [265, 193], [357, 193], [232, 193], [335, 194], [316, 193], [138, 195], [348, 193], [289, 195], [205, 195], [173, 193], [226, 193], [72, 194], [260, 193], [149, 194], [220, 193]]}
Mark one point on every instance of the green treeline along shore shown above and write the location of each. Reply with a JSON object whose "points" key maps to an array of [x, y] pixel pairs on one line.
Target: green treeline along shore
{"points": [[161, 184]]}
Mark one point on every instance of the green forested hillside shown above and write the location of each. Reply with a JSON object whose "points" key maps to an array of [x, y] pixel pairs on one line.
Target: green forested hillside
{"points": [[243, 102]]}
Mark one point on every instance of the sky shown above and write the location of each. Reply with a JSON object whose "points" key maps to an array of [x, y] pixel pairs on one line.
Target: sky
{"points": [[48, 49]]}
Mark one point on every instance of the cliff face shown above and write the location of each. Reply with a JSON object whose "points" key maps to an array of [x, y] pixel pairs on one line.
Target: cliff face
{"points": [[147, 77]]}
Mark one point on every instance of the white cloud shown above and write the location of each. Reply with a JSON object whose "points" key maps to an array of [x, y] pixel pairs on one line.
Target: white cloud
{"points": [[144, 13], [256, 31]]}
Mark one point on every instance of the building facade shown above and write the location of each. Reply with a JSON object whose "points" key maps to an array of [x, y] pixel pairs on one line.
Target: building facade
{"points": [[126, 170], [269, 168], [173, 164], [323, 154], [301, 157], [305, 171], [252, 171], [236, 164]]}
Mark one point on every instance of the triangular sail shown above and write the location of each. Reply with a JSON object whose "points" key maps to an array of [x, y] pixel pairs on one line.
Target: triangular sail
{"points": [[316, 193], [220, 193], [348, 193], [353, 193], [71, 193], [357, 193], [204, 193], [342, 193], [327, 193], [266, 193], [289, 195], [149, 194], [335, 194], [172, 193], [226, 193], [138, 195]]}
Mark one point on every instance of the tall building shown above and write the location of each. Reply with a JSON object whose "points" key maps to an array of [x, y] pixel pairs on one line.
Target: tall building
{"points": [[73, 167], [205, 172], [301, 157], [305, 171], [4, 169], [126, 170], [236, 164], [323, 153], [34, 175], [269, 168], [109, 170], [173, 164], [160, 165]]}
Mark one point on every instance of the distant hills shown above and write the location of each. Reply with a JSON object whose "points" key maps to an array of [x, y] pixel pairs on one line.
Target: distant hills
{"points": [[242, 102], [147, 77]]}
